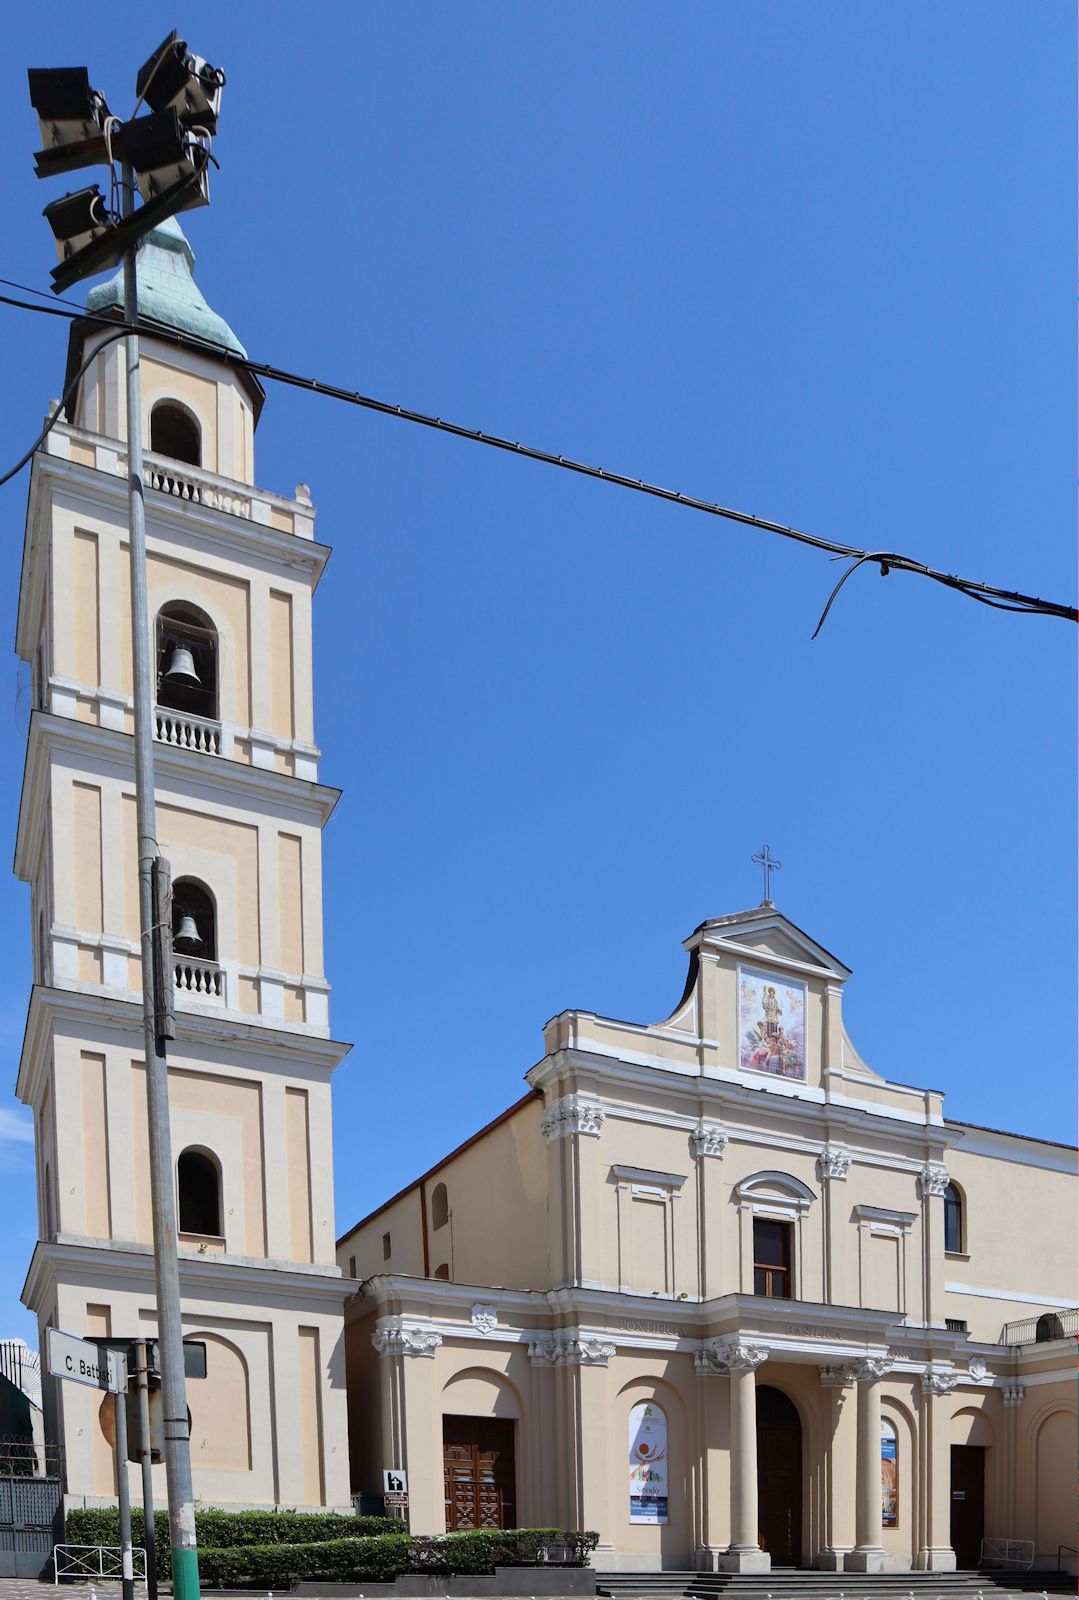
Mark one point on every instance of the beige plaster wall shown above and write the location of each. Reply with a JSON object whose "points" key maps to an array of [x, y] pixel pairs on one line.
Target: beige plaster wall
{"points": [[1007, 1204]]}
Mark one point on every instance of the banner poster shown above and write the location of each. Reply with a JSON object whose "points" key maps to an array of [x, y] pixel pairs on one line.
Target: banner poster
{"points": [[647, 1464], [889, 1484]]}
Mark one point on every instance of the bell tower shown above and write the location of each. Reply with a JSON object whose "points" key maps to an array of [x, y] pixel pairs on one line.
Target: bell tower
{"points": [[231, 573]]}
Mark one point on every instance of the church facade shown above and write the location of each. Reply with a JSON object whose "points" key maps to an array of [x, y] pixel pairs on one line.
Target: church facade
{"points": [[719, 1291], [240, 810]]}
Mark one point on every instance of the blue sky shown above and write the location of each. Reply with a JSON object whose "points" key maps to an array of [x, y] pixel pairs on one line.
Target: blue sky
{"points": [[815, 261]]}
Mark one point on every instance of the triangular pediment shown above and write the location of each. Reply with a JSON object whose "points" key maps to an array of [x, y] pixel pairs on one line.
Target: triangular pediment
{"points": [[766, 934]]}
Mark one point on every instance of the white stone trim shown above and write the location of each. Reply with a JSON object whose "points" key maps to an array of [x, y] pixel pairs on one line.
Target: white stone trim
{"points": [[571, 1116], [1047, 1301]]}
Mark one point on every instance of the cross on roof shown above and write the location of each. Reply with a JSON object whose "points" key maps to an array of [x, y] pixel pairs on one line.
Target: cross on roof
{"points": [[767, 861]]}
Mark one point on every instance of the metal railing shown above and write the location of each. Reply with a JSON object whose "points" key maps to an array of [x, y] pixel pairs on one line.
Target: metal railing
{"points": [[187, 732], [95, 1561], [1041, 1329], [1009, 1555]]}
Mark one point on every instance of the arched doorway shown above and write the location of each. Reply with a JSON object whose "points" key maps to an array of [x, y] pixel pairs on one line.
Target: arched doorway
{"points": [[779, 1477]]}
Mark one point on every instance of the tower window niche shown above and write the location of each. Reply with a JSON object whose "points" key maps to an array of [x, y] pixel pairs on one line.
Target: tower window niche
{"points": [[194, 921], [187, 651], [175, 433], [198, 1191]]}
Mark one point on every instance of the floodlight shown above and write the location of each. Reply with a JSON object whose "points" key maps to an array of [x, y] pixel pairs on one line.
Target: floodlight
{"points": [[71, 116], [78, 220], [167, 156], [174, 79]]}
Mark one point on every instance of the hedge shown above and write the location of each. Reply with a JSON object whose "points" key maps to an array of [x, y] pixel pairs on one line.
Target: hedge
{"points": [[222, 1529], [386, 1557], [272, 1549]]}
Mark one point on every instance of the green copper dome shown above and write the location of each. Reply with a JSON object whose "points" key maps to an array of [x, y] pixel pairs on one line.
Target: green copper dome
{"points": [[167, 291]]}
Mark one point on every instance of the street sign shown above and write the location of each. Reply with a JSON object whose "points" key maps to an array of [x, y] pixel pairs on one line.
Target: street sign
{"points": [[84, 1362], [395, 1481], [395, 1501]]}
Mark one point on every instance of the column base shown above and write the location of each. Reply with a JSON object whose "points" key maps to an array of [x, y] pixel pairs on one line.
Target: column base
{"points": [[832, 1558], [937, 1558], [744, 1560], [875, 1559], [706, 1557]]}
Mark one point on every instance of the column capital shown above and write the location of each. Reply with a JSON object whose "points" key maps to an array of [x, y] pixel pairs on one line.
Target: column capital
{"points": [[709, 1139], [838, 1375], [872, 1368], [571, 1116], [724, 1356], [835, 1160], [933, 1179], [572, 1350], [397, 1336], [938, 1380]]}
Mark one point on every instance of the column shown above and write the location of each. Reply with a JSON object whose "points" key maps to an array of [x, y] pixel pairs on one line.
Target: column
{"points": [[842, 1456], [745, 1553], [868, 1553], [411, 1422], [935, 1469]]}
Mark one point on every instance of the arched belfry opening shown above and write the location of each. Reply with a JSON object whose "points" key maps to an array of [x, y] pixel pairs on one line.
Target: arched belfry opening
{"points": [[779, 1476], [194, 920], [198, 1194], [187, 654], [175, 433]]}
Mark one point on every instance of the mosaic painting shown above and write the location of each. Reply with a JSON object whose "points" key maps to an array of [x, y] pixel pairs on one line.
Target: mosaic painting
{"points": [[771, 1025]]}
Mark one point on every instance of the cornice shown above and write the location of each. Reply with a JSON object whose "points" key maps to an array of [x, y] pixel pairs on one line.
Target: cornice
{"points": [[724, 1100], [187, 773], [805, 1332], [250, 1280], [105, 494], [269, 1048]]}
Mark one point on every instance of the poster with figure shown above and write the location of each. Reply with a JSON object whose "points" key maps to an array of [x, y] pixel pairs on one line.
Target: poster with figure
{"points": [[647, 1464], [889, 1483], [771, 1025]]}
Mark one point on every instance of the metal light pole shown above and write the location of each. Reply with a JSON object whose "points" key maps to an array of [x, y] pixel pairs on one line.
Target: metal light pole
{"points": [[169, 148], [185, 1565]]}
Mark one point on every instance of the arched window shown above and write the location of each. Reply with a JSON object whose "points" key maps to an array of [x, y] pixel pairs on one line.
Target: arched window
{"points": [[1048, 1326], [953, 1219], [443, 1272], [194, 920], [175, 433], [186, 661], [440, 1206], [889, 1474], [198, 1192]]}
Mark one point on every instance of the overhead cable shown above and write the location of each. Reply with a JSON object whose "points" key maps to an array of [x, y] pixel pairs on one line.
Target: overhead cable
{"points": [[887, 560]]}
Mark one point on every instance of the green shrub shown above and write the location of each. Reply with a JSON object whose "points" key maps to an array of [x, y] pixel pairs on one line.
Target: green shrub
{"points": [[275, 1566], [232, 1557], [222, 1529]]}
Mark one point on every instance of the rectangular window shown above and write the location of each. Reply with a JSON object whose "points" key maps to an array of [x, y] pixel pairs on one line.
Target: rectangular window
{"points": [[955, 1325], [352, 1266], [385, 1247], [772, 1259]]}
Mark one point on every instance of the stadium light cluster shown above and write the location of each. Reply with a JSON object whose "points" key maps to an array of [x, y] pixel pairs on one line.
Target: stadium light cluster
{"points": [[167, 150]]}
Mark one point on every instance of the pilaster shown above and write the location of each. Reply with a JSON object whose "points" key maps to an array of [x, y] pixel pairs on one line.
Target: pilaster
{"points": [[935, 1548]]}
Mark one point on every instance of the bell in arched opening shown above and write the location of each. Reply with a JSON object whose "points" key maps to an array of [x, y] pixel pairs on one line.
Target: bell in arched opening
{"points": [[181, 667], [187, 937]]}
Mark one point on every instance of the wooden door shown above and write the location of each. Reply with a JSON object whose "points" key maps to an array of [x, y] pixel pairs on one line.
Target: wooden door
{"points": [[779, 1477], [968, 1503], [480, 1473]]}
